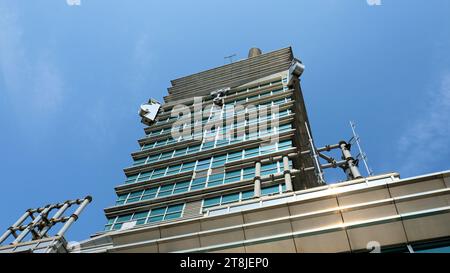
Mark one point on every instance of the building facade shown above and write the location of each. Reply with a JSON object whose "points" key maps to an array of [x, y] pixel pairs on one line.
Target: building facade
{"points": [[229, 165], [179, 177]]}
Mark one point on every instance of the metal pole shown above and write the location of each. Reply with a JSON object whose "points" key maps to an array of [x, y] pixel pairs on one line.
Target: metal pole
{"points": [[31, 225], [74, 216], [363, 155], [319, 172], [346, 155], [322, 149], [333, 164], [257, 186], [287, 174], [16, 224], [56, 216]]}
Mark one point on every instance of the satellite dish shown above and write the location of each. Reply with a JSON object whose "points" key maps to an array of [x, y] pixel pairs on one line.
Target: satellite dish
{"points": [[149, 111]]}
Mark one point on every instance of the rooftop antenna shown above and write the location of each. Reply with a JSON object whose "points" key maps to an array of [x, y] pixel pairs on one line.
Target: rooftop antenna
{"points": [[230, 57], [362, 155]]}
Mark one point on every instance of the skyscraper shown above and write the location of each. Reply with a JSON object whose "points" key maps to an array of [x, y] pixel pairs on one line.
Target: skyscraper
{"points": [[178, 177], [228, 164]]}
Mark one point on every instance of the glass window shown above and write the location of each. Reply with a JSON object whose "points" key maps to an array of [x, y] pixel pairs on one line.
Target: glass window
{"points": [[443, 249], [285, 144], [173, 215], [193, 149], [208, 145], [121, 199], [234, 156], [284, 127], [175, 208], [180, 152], [203, 164], [139, 161], [198, 183], [149, 193], [156, 218], [181, 187], [284, 113], [269, 169], [211, 202], [218, 161], [247, 195], [117, 226], [166, 155], [166, 190], [215, 179], [232, 176], [158, 173], [267, 149], [249, 173], [222, 141], [229, 198], [131, 179], [160, 143], [153, 158], [123, 218], [173, 170], [171, 141], [173, 212], [110, 222], [157, 211], [140, 215], [270, 190], [188, 167], [251, 152], [134, 196]]}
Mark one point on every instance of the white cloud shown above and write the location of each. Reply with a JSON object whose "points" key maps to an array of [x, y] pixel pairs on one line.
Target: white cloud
{"points": [[427, 140], [30, 80]]}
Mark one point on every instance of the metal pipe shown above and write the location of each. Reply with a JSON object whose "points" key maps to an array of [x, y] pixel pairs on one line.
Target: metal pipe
{"points": [[287, 174], [257, 186], [31, 225], [14, 226], [351, 166], [363, 155], [329, 159], [322, 149], [319, 172], [55, 217], [333, 164], [74, 216]]}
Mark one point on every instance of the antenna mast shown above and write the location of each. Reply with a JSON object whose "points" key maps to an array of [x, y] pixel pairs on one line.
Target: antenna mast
{"points": [[230, 57], [361, 154]]}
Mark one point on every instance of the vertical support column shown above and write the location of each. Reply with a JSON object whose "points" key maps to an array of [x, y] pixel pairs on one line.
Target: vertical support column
{"points": [[287, 174], [347, 156], [257, 188]]}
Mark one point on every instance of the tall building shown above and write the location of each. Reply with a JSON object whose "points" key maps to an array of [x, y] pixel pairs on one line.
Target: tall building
{"points": [[228, 164], [225, 155]]}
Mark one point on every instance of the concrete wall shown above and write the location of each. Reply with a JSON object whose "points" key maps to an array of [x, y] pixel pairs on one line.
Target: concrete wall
{"points": [[337, 218]]}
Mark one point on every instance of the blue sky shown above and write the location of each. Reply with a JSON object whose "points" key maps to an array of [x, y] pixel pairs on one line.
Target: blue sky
{"points": [[72, 78]]}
